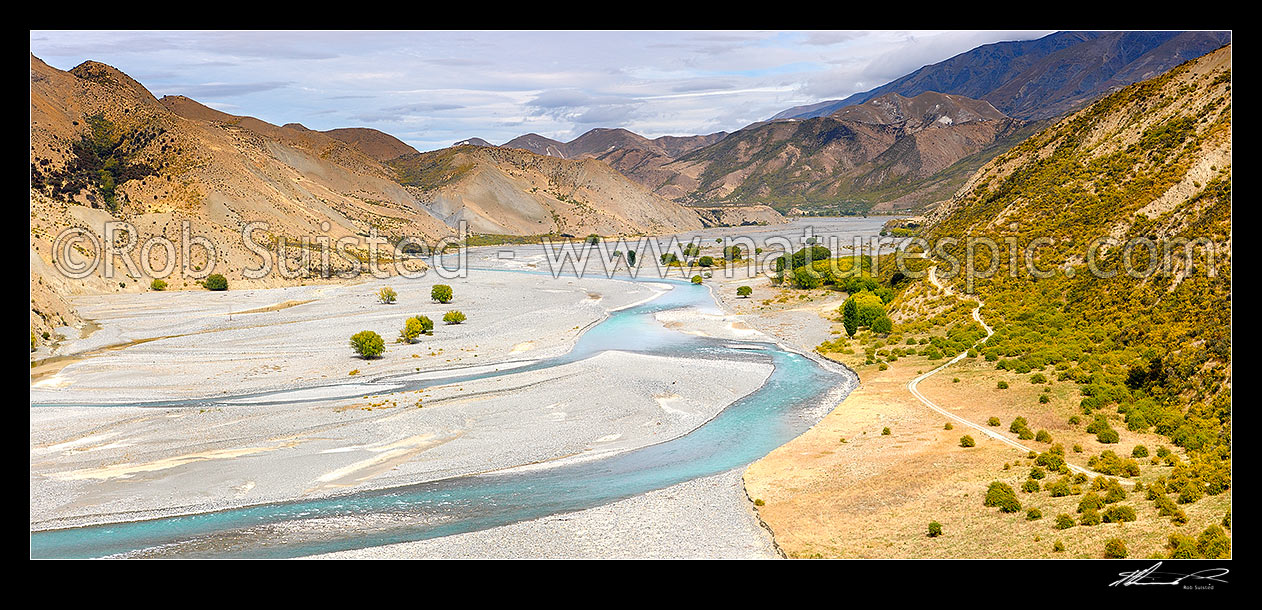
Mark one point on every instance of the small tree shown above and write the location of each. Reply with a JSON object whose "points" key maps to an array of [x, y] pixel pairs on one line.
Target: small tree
{"points": [[744, 291], [441, 293], [216, 282], [368, 344], [850, 316], [411, 330], [935, 529], [454, 317], [387, 295]]}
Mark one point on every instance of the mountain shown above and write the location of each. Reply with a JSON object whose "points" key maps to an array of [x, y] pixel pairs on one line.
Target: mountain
{"points": [[1127, 203], [104, 149], [1043, 78], [473, 142], [892, 150], [537, 144], [510, 191], [376, 144]]}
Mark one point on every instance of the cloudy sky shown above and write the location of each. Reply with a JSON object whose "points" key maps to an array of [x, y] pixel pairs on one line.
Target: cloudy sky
{"points": [[431, 89]]}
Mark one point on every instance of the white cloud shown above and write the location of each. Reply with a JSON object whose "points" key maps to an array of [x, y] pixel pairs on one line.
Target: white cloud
{"points": [[434, 88]]}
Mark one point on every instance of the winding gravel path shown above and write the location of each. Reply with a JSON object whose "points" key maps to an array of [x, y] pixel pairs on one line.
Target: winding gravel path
{"points": [[912, 385]]}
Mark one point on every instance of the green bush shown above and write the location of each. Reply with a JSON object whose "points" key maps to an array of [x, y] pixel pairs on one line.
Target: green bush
{"points": [[454, 317], [427, 325], [696, 279], [1090, 517], [1058, 547], [1139, 451], [935, 529], [368, 344], [158, 285], [948, 426], [387, 295], [1002, 495], [1064, 522], [1033, 514], [967, 441], [1043, 437], [1002, 385], [706, 261], [1107, 436], [412, 329], [1090, 502], [1119, 514], [441, 293], [1115, 549], [744, 291], [1030, 486], [1213, 543], [994, 421], [216, 282]]}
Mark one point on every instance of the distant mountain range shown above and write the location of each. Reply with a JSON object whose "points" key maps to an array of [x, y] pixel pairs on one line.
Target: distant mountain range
{"points": [[1043, 78]]}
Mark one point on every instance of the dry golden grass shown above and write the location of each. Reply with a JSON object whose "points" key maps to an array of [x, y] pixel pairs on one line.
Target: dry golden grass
{"points": [[874, 496]]}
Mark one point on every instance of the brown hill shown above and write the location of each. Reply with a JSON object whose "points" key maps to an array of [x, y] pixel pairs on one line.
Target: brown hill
{"points": [[892, 151], [104, 149], [514, 192], [376, 144]]}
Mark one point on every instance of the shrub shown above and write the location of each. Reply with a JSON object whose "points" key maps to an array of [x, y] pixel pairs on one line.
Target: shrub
{"points": [[158, 285], [706, 261], [1043, 399], [387, 295], [1058, 547], [1114, 492], [935, 529], [1139, 451], [994, 421], [1002, 385], [1115, 549], [1107, 436], [696, 279], [1033, 514], [1190, 492], [1090, 517], [882, 325], [967, 441], [368, 344], [454, 316], [744, 291], [1030, 486], [1213, 543], [1002, 495], [885, 431], [412, 329], [1043, 437], [1090, 502], [441, 293], [593, 239], [1119, 514], [1064, 522], [216, 282], [948, 426], [427, 325], [1037, 473], [1182, 547]]}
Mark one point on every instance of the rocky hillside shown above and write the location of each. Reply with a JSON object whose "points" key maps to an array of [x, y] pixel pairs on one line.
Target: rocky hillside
{"points": [[1036, 79], [509, 191], [891, 152], [1149, 342]]}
